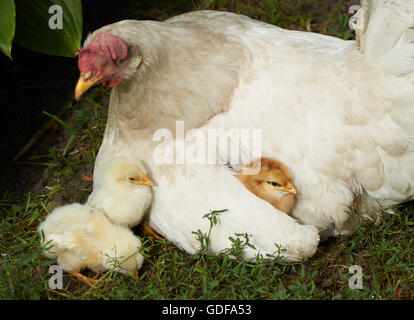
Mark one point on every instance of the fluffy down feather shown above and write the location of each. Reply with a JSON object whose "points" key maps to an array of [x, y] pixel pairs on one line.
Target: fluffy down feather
{"points": [[82, 237], [122, 191]]}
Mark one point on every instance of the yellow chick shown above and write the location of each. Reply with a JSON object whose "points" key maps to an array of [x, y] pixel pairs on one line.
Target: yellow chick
{"points": [[122, 191], [82, 237], [273, 184]]}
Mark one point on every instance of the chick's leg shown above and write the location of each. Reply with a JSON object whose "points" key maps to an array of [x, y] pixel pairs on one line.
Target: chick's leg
{"points": [[91, 282], [151, 232]]}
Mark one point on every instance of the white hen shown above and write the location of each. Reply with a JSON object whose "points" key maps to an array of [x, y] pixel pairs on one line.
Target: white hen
{"points": [[338, 113], [80, 236]]}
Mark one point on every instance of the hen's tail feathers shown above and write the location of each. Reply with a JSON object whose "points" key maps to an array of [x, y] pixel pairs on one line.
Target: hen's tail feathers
{"points": [[385, 29]]}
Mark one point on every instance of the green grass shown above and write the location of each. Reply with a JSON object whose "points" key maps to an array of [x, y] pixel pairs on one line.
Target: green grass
{"points": [[60, 165], [384, 252]]}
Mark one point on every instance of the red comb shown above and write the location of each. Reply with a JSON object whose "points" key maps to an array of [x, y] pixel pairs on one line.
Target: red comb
{"points": [[108, 46]]}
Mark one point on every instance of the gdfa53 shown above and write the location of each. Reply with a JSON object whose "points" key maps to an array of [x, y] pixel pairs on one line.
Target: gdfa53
{"points": [[229, 309]]}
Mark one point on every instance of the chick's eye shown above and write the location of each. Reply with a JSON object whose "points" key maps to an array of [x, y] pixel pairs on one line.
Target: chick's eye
{"points": [[273, 183], [131, 179]]}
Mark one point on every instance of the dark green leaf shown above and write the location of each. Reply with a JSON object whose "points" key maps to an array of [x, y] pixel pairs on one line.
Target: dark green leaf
{"points": [[33, 29]]}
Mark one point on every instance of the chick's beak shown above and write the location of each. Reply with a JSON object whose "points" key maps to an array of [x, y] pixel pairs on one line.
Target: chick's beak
{"points": [[83, 85], [145, 182], [291, 189]]}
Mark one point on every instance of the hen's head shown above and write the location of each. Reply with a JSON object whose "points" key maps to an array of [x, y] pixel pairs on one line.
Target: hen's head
{"points": [[105, 59]]}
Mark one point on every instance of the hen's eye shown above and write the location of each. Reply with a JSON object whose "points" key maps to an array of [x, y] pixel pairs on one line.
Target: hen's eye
{"points": [[273, 183], [131, 179]]}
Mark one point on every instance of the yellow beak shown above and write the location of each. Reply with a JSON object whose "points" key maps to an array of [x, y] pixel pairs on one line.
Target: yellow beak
{"points": [[145, 182], [82, 86], [291, 189]]}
